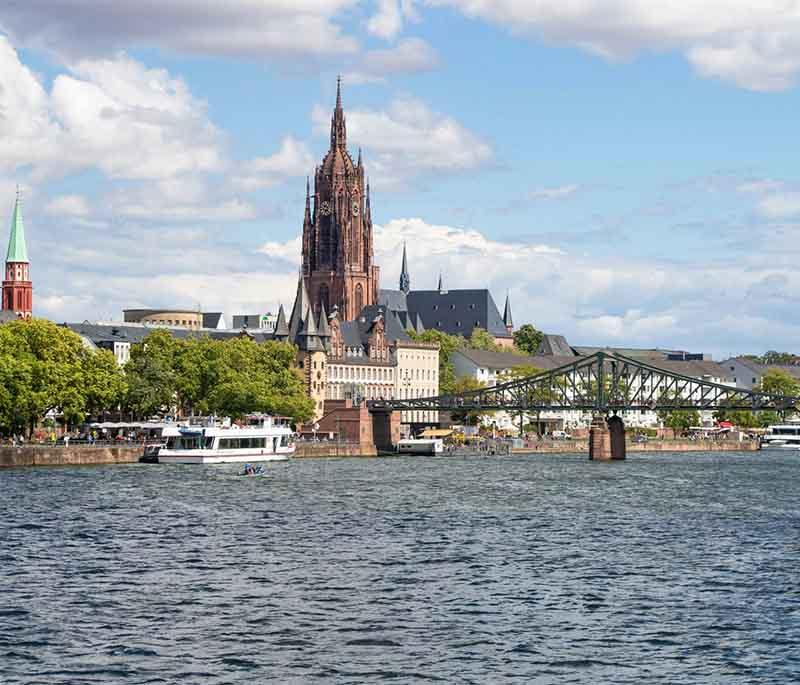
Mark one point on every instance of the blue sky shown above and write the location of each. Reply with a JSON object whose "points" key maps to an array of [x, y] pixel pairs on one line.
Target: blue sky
{"points": [[625, 171]]}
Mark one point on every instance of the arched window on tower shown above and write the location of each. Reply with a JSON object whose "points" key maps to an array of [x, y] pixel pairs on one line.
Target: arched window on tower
{"points": [[359, 299]]}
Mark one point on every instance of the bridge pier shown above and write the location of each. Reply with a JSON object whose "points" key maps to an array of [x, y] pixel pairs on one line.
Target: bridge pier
{"points": [[607, 439], [386, 430]]}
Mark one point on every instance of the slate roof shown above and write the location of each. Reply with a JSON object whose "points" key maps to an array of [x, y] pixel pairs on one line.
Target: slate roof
{"points": [[108, 333], [212, 319], [508, 360], [457, 312], [395, 300], [555, 345]]}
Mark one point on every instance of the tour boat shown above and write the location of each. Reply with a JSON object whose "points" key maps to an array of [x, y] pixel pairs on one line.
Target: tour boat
{"points": [[784, 436], [420, 446], [262, 438]]}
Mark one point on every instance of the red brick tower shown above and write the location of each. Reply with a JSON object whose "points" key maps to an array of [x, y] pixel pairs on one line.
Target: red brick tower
{"points": [[338, 267], [17, 286]]}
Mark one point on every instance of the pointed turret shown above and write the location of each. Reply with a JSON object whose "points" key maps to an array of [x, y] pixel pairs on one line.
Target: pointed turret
{"points": [[405, 278], [301, 304], [308, 339], [338, 127], [281, 327], [369, 207], [507, 319], [17, 250], [323, 328], [360, 161], [440, 287]]}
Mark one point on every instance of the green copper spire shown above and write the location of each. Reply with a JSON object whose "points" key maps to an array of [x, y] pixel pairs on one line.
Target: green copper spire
{"points": [[17, 252]]}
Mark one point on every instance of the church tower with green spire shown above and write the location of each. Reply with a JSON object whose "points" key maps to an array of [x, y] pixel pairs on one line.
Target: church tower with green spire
{"points": [[17, 286]]}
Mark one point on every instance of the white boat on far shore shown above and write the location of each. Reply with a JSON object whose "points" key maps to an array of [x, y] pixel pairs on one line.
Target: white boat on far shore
{"points": [[782, 436], [261, 438]]}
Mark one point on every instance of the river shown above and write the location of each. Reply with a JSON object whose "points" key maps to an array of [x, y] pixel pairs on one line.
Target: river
{"points": [[666, 568]]}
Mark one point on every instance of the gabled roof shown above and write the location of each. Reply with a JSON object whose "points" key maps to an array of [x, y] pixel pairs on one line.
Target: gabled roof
{"points": [[17, 250], [394, 300], [457, 312], [555, 345]]}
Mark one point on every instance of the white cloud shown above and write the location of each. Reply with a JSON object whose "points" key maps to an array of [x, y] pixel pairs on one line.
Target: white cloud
{"points": [[409, 139], [755, 45], [68, 205], [615, 300], [387, 20], [282, 29], [760, 186], [113, 114], [780, 205], [554, 193], [409, 56], [292, 159]]}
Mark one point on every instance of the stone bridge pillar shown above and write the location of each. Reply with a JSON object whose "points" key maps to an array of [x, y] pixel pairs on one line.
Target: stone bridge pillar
{"points": [[607, 439], [386, 430]]}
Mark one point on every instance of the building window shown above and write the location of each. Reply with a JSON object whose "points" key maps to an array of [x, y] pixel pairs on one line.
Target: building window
{"points": [[452, 306]]}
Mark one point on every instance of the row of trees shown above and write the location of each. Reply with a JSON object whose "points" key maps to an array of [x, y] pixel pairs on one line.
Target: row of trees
{"points": [[45, 368]]}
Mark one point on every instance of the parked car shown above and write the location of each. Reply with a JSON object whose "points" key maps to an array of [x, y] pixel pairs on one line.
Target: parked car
{"points": [[560, 435]]}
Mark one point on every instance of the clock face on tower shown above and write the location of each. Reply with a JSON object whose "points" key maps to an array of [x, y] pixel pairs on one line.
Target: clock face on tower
{"points": [[325, 208], [356, 209]]}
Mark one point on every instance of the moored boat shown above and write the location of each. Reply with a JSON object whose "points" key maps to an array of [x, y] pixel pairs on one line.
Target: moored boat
{"points": [[782, 436], [261, 438]]}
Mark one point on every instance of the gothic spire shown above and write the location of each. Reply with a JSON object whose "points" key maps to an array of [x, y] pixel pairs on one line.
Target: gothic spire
{"points": [[507, 319], [338, 128], [17, 250], [323, 329], [360, 162], [440, 287], [301, 304], [368, 208], [405, 279], [281, 328], [308, 201]]}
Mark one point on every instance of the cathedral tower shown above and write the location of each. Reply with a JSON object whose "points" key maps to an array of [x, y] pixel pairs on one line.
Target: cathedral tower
{"points": [[17, 287], [338, 259]]}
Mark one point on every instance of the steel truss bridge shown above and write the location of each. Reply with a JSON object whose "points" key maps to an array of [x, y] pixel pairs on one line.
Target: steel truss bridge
{"points": [[602, 383]]}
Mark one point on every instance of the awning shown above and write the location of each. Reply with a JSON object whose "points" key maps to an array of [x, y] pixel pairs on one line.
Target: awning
{"points": [[436, 433]]}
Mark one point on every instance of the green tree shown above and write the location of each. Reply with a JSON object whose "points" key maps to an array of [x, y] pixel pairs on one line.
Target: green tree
{"points": [[481, 339], [777, 358], [104, 382], [780, 383], [463, 385], [151, 374], [46, 368], [527, 339], [260, 378], [680, 419]]}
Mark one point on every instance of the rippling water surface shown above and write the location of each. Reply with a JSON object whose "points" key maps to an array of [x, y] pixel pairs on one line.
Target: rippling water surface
{"points": [[548, 569]]}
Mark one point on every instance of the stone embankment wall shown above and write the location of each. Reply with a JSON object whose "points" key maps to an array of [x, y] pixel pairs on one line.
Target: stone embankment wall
{"points": [[332, 449], [32, 455], [558, 446]]}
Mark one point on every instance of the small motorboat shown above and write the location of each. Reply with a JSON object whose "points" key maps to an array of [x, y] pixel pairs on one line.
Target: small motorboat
{"points": [[250, 470]]}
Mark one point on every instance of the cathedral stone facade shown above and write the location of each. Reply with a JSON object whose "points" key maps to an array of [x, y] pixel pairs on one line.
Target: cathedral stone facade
{"points": [[338, 261]]}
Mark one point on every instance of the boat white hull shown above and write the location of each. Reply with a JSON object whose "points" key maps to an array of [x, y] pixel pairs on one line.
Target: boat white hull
{"points": [[216, 458]]}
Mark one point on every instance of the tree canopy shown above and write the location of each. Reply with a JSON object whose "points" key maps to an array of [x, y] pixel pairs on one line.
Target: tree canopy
{"points": [[527, 339], [44, 368]]}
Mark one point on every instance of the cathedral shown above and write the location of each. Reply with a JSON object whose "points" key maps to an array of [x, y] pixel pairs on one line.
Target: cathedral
{"points": [[338, 266], [17, 297]]}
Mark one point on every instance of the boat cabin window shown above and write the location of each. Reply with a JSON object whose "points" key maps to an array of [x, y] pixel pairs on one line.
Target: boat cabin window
{"points": [[184, 442], [785, 430], [284, 441], [242, 443]]}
